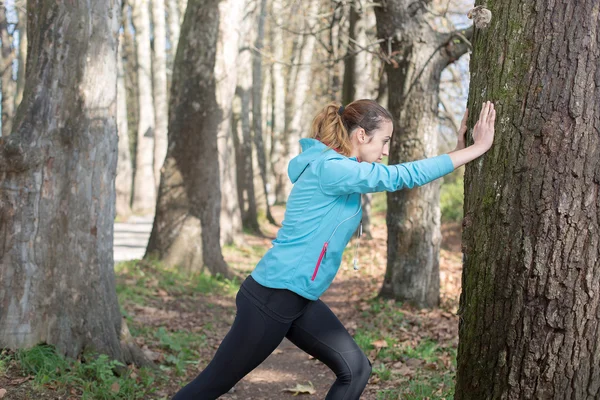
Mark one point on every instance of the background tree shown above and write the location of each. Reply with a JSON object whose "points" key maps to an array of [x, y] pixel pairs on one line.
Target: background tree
{"points": [[186, 229], [226, 74], [9, 85], [57, 196], [415, 56], [124, 179], [144, 191], [529, 306], [159, 85]]}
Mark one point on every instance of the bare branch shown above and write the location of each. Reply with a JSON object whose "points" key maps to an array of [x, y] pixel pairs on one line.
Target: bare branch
{"points": [[457, 43]]}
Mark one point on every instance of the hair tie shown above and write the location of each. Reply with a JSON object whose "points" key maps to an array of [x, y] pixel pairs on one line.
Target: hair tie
{"points": [[341, 110]]}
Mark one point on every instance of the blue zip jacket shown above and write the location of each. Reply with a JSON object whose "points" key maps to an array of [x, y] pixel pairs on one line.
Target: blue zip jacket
{"points": [[324, 210]]}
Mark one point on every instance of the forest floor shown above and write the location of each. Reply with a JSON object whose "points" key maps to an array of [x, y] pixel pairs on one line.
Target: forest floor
{"points": [[179, 321]]}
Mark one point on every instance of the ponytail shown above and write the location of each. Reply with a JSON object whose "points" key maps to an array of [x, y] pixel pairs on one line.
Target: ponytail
{"points": [[328, 127]]}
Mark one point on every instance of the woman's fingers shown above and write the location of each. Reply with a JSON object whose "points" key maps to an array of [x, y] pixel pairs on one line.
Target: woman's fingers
{"points": [[465, 117], [483, 111]]}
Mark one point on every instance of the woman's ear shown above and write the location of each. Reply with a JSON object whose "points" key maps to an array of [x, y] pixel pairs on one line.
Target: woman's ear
{"points": [[361, 135]]}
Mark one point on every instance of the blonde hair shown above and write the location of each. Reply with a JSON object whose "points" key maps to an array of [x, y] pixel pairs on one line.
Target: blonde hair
{"points": [[329, 128], [334, 124]]}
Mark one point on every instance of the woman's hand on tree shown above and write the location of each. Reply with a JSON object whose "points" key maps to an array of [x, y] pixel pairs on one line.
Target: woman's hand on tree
{"points": [[483, 132]]}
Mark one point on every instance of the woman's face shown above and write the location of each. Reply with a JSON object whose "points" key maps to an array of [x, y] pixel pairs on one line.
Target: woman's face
{"points": [[373, 148]]}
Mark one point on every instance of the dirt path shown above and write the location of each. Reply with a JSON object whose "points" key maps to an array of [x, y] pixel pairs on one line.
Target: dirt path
{"points": [[288, 366]]}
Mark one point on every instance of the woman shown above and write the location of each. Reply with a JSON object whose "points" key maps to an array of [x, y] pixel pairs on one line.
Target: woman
{"points": [[281, 296]]}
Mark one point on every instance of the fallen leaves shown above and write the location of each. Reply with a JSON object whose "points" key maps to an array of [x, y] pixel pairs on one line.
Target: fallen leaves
{"points": [[301, 389], [2, 393]]}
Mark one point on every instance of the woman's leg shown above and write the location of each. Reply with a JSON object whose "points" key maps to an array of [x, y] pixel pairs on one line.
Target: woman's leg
{"points": [[321, 334], [251, 339]]}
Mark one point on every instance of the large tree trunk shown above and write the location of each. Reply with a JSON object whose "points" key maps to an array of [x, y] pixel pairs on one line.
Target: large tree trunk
{"points": [[278, 159], [530, 316], [123, 182], [9, 86], [413, 216], [144, 183], [57, 196], [159, 86], [186, 226], [22, 56], [226, 69]]}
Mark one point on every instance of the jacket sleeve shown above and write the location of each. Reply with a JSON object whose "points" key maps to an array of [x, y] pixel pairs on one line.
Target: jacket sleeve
{"points": [[344, 176]]}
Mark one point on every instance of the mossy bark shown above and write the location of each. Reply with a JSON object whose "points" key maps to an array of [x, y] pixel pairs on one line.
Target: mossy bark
{"points": [[531, 280]]}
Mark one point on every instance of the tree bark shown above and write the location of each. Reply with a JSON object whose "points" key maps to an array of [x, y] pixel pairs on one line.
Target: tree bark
{"points": [[57, 191], [22, 56], [159, 86], [226, 71], [144, 190], [419, 55], [9, 86], [186, 227], [124, 179], [531, 278]]}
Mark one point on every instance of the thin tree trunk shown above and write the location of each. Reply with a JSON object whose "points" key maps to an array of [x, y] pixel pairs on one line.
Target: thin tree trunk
{"points": [[159, 86], [9, 86], [279, 101], [186, 227], [349, 85], [364, 89], [124, 179], [298, 122], [413, 216], [231, 13], [57, 195], [529, 307], [245, 159], [129, 60], [249, 217], [22, 56], [257, 99], [144, 188], [174, 27]]}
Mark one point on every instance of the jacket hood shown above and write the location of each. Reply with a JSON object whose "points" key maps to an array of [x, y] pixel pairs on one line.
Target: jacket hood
{"points": [[311, 150]]}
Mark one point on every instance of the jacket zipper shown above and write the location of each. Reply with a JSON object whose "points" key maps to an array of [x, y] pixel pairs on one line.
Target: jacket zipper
{"points": [[326, 244]]}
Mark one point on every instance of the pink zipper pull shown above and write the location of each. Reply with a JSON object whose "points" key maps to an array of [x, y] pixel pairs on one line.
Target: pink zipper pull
{"points": [[323, 251]]}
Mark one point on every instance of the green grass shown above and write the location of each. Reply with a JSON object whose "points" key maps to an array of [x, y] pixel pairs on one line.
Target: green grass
{"points": [[430, 378], [139, 281], [91, 377], [180, 348]]}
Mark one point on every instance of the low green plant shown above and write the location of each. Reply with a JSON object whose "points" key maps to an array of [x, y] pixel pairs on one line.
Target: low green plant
{"points": [[452, 196], [94, 376]]}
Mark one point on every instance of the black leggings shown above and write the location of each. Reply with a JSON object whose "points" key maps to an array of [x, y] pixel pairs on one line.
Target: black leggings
{"points": [[264, 317]]}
